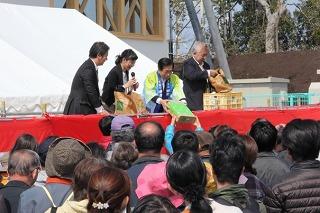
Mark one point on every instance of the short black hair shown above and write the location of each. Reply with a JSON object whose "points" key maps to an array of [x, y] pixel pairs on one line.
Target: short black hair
{"points": [[187, 174], [105, 125], [265, 135], [185, 140], [97, 150], [154, 204], [98, 48], [127, 54], [228, 158], [124, 135], [149, 136], [220, 130], [163, 62], [44, 147], [302, 139], [25, 141]]}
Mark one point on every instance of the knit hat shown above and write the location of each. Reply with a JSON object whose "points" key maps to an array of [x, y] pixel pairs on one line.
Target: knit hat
{"points": [[63, 156]]}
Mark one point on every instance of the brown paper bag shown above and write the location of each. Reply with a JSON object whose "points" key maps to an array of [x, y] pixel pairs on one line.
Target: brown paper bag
{"points": [[129, 104], [220, 83]]}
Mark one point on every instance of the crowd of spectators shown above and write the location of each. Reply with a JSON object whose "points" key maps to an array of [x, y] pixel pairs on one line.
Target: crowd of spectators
{"points": [[146, 168]]}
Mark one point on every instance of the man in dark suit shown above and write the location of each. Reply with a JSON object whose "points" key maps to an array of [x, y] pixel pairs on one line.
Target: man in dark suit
{"points": [[23, 168], [84, 97], [195, 76]]}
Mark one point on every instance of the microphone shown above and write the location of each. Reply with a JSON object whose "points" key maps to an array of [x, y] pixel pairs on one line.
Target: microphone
{"points": [[133, 75]]}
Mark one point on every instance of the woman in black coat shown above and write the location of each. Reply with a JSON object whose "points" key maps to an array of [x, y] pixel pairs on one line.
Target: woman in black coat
{"points": [[118, 78]]}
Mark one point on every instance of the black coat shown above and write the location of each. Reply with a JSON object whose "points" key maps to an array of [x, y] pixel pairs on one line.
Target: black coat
{"points": [[11, 193], [113, 82], [298, 192], [195, 83], [84, 96]]}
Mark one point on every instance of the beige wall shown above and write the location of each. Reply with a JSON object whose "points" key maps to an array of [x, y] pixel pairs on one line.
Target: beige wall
{"points": [[43, 3]]}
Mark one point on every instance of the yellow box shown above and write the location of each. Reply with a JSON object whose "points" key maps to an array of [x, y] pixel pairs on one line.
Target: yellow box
{"points": [[230, 100]]}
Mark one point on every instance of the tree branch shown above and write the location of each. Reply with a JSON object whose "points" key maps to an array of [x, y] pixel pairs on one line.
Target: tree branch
{"points": [[266, 6], [231, 8]]}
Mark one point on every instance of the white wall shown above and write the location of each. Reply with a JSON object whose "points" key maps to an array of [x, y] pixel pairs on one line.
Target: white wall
{"points": [[152, 49]]}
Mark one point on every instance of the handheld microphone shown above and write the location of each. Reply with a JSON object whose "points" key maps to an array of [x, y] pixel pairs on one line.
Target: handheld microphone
{"points": [[133, 75]]}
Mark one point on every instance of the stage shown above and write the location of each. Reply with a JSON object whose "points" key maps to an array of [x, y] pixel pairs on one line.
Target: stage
{"points": [[86, 127]]}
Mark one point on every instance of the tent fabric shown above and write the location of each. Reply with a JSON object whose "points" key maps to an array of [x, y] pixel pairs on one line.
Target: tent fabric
{"points": [[41, 50], [86, 127]]}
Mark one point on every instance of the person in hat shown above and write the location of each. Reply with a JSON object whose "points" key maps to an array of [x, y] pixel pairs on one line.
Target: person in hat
{"points": [[122, 130], [62, 157], [23, 169], [82, 174]]}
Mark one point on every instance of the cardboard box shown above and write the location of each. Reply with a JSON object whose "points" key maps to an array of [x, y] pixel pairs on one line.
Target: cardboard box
{"points": [[231, 100], [181, 111]]}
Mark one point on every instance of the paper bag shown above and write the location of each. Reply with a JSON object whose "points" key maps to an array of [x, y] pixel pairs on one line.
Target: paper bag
{"points": [[220, 83], [128, 104]]}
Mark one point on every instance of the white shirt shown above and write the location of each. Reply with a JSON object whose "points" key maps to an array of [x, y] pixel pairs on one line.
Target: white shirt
{"points": [[201, 67]]}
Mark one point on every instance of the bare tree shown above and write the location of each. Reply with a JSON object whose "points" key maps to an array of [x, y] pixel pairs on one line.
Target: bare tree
{"points": [[273, 18]]}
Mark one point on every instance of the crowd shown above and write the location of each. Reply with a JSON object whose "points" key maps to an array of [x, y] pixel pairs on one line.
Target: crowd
{"points": [[147, 168]]}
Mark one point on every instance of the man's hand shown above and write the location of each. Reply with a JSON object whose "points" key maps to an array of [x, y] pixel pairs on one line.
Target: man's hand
{"points": [[104, 112], [164, 105], [213, 73]]}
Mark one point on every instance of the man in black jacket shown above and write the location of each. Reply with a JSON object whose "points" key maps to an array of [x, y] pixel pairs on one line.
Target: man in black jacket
{"points": [[299, 190], [23, 168], [195, 76], [84, 97]]}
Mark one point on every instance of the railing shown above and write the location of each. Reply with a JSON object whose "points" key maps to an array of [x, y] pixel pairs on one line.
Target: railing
{"points": [[222, 101], [281, 100]]}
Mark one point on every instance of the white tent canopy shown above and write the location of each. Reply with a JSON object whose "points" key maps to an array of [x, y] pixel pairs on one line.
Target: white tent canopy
{"points": [[41, 48]]}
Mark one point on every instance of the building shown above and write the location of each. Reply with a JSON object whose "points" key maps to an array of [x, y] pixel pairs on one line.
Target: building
{"points": [[143, 24]]}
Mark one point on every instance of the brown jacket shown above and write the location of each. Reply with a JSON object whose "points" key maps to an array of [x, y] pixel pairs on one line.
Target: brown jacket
{"points": [[299, 190]]}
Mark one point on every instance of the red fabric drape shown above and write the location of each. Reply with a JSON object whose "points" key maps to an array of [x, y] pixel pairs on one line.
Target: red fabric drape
{"points": [[86, 127]]}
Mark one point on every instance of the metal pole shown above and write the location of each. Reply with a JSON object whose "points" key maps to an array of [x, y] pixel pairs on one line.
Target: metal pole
{"points": [[196, 25], [216, 38], [170, 30]]}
